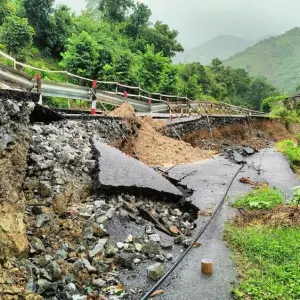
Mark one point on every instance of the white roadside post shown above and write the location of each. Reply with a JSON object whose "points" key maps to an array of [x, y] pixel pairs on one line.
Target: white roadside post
{"points": [[94, 98]]}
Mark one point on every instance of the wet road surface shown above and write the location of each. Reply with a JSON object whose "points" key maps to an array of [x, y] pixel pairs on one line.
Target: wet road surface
{"points": [[210, 179]]}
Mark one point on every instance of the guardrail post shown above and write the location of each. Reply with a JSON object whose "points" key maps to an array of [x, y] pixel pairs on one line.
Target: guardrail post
{"points": [[15, 64], [139, 92], [117, 88], [39, 87], [94, 98], [149, 103], [67, 78]]}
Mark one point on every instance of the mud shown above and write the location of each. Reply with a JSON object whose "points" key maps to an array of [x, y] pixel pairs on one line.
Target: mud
{"points": [[256, 134]]}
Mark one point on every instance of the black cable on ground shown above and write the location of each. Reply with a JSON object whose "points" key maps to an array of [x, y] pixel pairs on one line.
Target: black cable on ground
{"points": [[162, 280]]}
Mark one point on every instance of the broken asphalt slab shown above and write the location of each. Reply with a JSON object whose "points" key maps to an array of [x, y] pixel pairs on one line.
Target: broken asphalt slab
{"points": [[119, 173]]}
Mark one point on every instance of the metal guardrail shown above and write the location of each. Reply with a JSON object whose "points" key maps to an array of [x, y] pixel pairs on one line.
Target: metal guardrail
{"points": [[140, 99]]}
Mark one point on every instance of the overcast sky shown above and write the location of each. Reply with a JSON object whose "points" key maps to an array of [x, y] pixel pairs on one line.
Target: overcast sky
{"points": [[198, 21]]}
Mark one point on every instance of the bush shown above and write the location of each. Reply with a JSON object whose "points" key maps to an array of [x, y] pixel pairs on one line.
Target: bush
{"points": [[261, 198], [16, 34], [81, 56], [296, 195], [291, 150], [268, 103]]}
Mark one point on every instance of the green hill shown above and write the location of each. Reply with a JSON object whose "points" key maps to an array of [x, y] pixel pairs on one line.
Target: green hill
{"points": [[277, 58], [222, 46]]}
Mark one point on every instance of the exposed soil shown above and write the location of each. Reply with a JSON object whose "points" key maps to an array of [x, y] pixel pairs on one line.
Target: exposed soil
{"points": [[256, 134], [123, 111], [152, 147], [283, 215], [295, 128]]}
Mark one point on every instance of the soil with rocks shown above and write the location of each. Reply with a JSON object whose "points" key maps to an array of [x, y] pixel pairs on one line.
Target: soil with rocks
{"points": [[257, 134], [282, 215], [62, 240], [153, 148]]}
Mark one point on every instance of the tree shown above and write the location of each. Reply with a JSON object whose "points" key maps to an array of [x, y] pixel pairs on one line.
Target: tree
{"points": [[259, 89], [191, 88], [202, 78], [114, 11], [169, 80], [16, 34], [138, 20], [60, 29], [81, 56], [38, 13], [148, 67], [217, 66], [5, 10], [161, 37], [122, 63], [241, 80]]}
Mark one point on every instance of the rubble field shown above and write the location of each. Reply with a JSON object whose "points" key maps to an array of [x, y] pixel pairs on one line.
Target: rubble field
{"points": [[62, 238]]}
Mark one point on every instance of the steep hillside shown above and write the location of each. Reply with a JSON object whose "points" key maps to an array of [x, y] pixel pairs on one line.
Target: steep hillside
{"points": [[277, 58], [222, 46]]}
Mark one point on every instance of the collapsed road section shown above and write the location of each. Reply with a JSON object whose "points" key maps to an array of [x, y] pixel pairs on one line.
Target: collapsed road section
{"points": [[81, 220], [62, 238], [121, 173]]}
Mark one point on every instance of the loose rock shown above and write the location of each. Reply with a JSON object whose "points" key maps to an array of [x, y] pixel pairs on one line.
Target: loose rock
{"points": [[156, 271], [98, 248]]}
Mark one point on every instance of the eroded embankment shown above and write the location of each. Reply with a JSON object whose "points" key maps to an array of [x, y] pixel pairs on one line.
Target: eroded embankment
{"points": [[61, 238], [160, 143], [257, 133]]}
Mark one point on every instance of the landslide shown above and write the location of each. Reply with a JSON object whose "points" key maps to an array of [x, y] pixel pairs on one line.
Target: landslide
{"points": [[257, 134], [152, 147]]}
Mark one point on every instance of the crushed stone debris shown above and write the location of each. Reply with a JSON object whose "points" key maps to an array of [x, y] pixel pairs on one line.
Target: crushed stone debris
{"points": [[75, 247]]}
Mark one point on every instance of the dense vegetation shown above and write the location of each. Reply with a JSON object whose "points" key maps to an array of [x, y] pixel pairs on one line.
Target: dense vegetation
{"points": [[277, 58], [114, 40], [286, 108], [266, 253], [268, 259], [292, 151]]}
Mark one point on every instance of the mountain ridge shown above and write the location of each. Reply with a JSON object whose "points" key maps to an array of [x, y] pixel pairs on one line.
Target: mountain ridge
{"points": [[277, 58], [222, 46]]}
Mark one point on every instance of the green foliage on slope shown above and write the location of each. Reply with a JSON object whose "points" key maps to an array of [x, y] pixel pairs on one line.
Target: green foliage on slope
{"points": [[114, 41], [277, 58]]}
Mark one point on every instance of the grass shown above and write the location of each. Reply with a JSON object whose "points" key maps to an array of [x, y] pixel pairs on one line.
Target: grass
{"points": [[268, 259], [292, 151], [267, 255], [261, 198]]}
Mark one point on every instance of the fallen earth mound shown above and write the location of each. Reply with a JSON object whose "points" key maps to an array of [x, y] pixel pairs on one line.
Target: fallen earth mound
{"points": [[153, 148]]}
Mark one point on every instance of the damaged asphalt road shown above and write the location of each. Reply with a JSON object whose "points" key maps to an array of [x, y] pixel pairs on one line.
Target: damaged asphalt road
{"points": [[210, 181], [123, 173]]}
